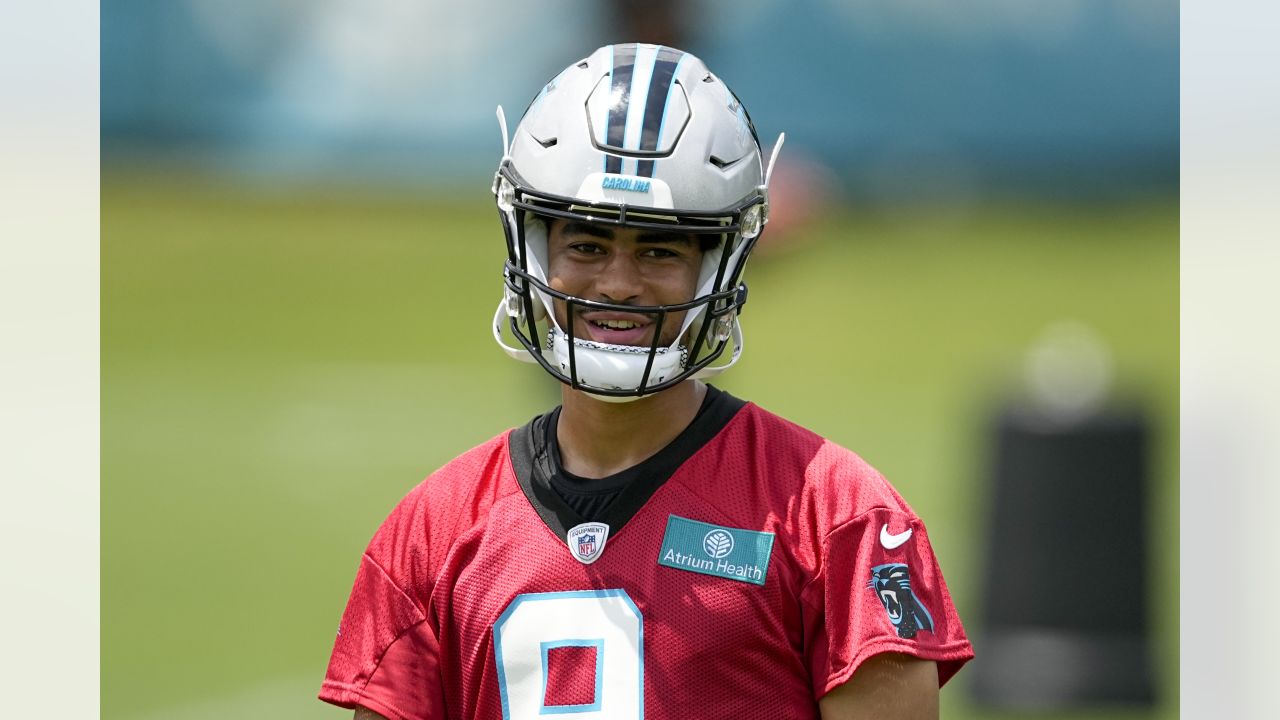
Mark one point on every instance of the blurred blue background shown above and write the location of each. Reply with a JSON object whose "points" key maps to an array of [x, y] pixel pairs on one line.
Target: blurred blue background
{"points": [[300, 260], [904, 99]]}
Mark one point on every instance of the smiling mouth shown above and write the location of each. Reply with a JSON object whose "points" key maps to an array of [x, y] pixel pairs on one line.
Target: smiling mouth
{"points": [[615, 324], [615, 331]]}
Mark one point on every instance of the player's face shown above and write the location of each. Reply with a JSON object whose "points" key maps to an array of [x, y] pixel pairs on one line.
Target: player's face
{"points": [[622, 266]]}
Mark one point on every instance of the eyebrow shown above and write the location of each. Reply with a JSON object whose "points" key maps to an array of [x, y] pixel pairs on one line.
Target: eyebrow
{"points": [[605, 233]]}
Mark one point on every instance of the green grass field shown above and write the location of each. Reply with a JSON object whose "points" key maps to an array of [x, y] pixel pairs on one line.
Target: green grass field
{"points": [[279, 369]]}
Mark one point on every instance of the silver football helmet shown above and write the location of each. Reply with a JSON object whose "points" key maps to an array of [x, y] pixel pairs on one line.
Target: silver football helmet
{"points": [[645, 137]]}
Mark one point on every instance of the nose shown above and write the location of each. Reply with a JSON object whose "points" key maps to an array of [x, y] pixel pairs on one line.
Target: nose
{"points": [[619, 281]]}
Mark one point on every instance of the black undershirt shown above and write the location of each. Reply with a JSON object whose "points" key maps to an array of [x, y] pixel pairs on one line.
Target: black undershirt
{"points": [[565, 500], [588, 496]]}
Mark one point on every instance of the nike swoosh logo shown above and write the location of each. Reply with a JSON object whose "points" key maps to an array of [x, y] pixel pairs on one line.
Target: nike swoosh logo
{"points": [[891, 542]]}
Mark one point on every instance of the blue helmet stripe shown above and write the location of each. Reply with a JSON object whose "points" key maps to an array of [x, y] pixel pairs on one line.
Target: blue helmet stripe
{"points": [[646, 58], [624, 61], [666, 65], [601, 120]]}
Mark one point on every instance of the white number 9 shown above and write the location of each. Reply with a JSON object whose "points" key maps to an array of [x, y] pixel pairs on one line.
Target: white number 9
{"points": [[533, 623]]}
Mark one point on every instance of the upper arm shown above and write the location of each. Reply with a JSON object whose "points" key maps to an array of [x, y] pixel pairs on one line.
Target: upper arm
{"points": [[363, 713], [888, 686]]}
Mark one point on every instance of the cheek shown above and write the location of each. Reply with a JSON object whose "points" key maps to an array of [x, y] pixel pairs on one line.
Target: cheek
{"points": [[559, 280], [678, 287], [555, 270], [566, 276], [686, 284]]}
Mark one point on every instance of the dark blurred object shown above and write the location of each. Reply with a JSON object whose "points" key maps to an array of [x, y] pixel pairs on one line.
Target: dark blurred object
{"points": [[659, 22], [1065, 594]]}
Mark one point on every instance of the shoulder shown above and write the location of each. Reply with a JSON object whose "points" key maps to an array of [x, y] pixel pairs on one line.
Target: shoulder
{"points": [[768, 472], [813, 465], [756, 434], [465, 487], [476, 471], [424, 524]]}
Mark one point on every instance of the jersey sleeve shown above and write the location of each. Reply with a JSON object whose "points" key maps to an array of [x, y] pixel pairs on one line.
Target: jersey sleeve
{"points": [[880, 590], [386, 656]]}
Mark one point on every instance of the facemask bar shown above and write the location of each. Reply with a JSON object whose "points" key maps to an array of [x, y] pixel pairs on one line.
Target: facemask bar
{"points": [[744, 221], [718, 306], [652, 353], [702, 222], [521, 284]]}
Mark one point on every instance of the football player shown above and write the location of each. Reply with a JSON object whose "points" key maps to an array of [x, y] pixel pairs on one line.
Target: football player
{"points": [[653, 547]]}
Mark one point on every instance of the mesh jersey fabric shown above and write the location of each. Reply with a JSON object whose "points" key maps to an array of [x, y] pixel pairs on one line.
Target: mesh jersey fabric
{"points": [[465, 582]]}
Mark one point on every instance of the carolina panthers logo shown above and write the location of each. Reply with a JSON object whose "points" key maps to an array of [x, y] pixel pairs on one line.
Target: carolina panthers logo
{"points": [[892, 584]]}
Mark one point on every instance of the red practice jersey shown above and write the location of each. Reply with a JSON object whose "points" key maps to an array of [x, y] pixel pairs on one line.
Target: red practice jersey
{"points": [[744, 581]]}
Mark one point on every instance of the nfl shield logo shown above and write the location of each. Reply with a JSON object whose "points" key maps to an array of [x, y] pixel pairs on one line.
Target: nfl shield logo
{"points": [[586, 541]]}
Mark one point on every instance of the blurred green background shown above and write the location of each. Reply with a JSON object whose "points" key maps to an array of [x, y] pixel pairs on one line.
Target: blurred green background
{"points": [[300, 262], [281, 365]]}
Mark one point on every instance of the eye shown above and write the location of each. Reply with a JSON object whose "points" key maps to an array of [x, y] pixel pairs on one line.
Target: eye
{"points": [[661, 252], [586, 248]]}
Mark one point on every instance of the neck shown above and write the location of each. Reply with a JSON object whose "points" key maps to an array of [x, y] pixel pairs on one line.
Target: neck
{"points": [[598, 438]]}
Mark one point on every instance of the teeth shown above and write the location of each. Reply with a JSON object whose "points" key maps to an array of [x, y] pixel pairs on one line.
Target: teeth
{"points": [[617, 324]]}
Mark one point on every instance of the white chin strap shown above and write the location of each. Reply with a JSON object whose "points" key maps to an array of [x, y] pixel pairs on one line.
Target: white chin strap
{"points": [[612, 367]]}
